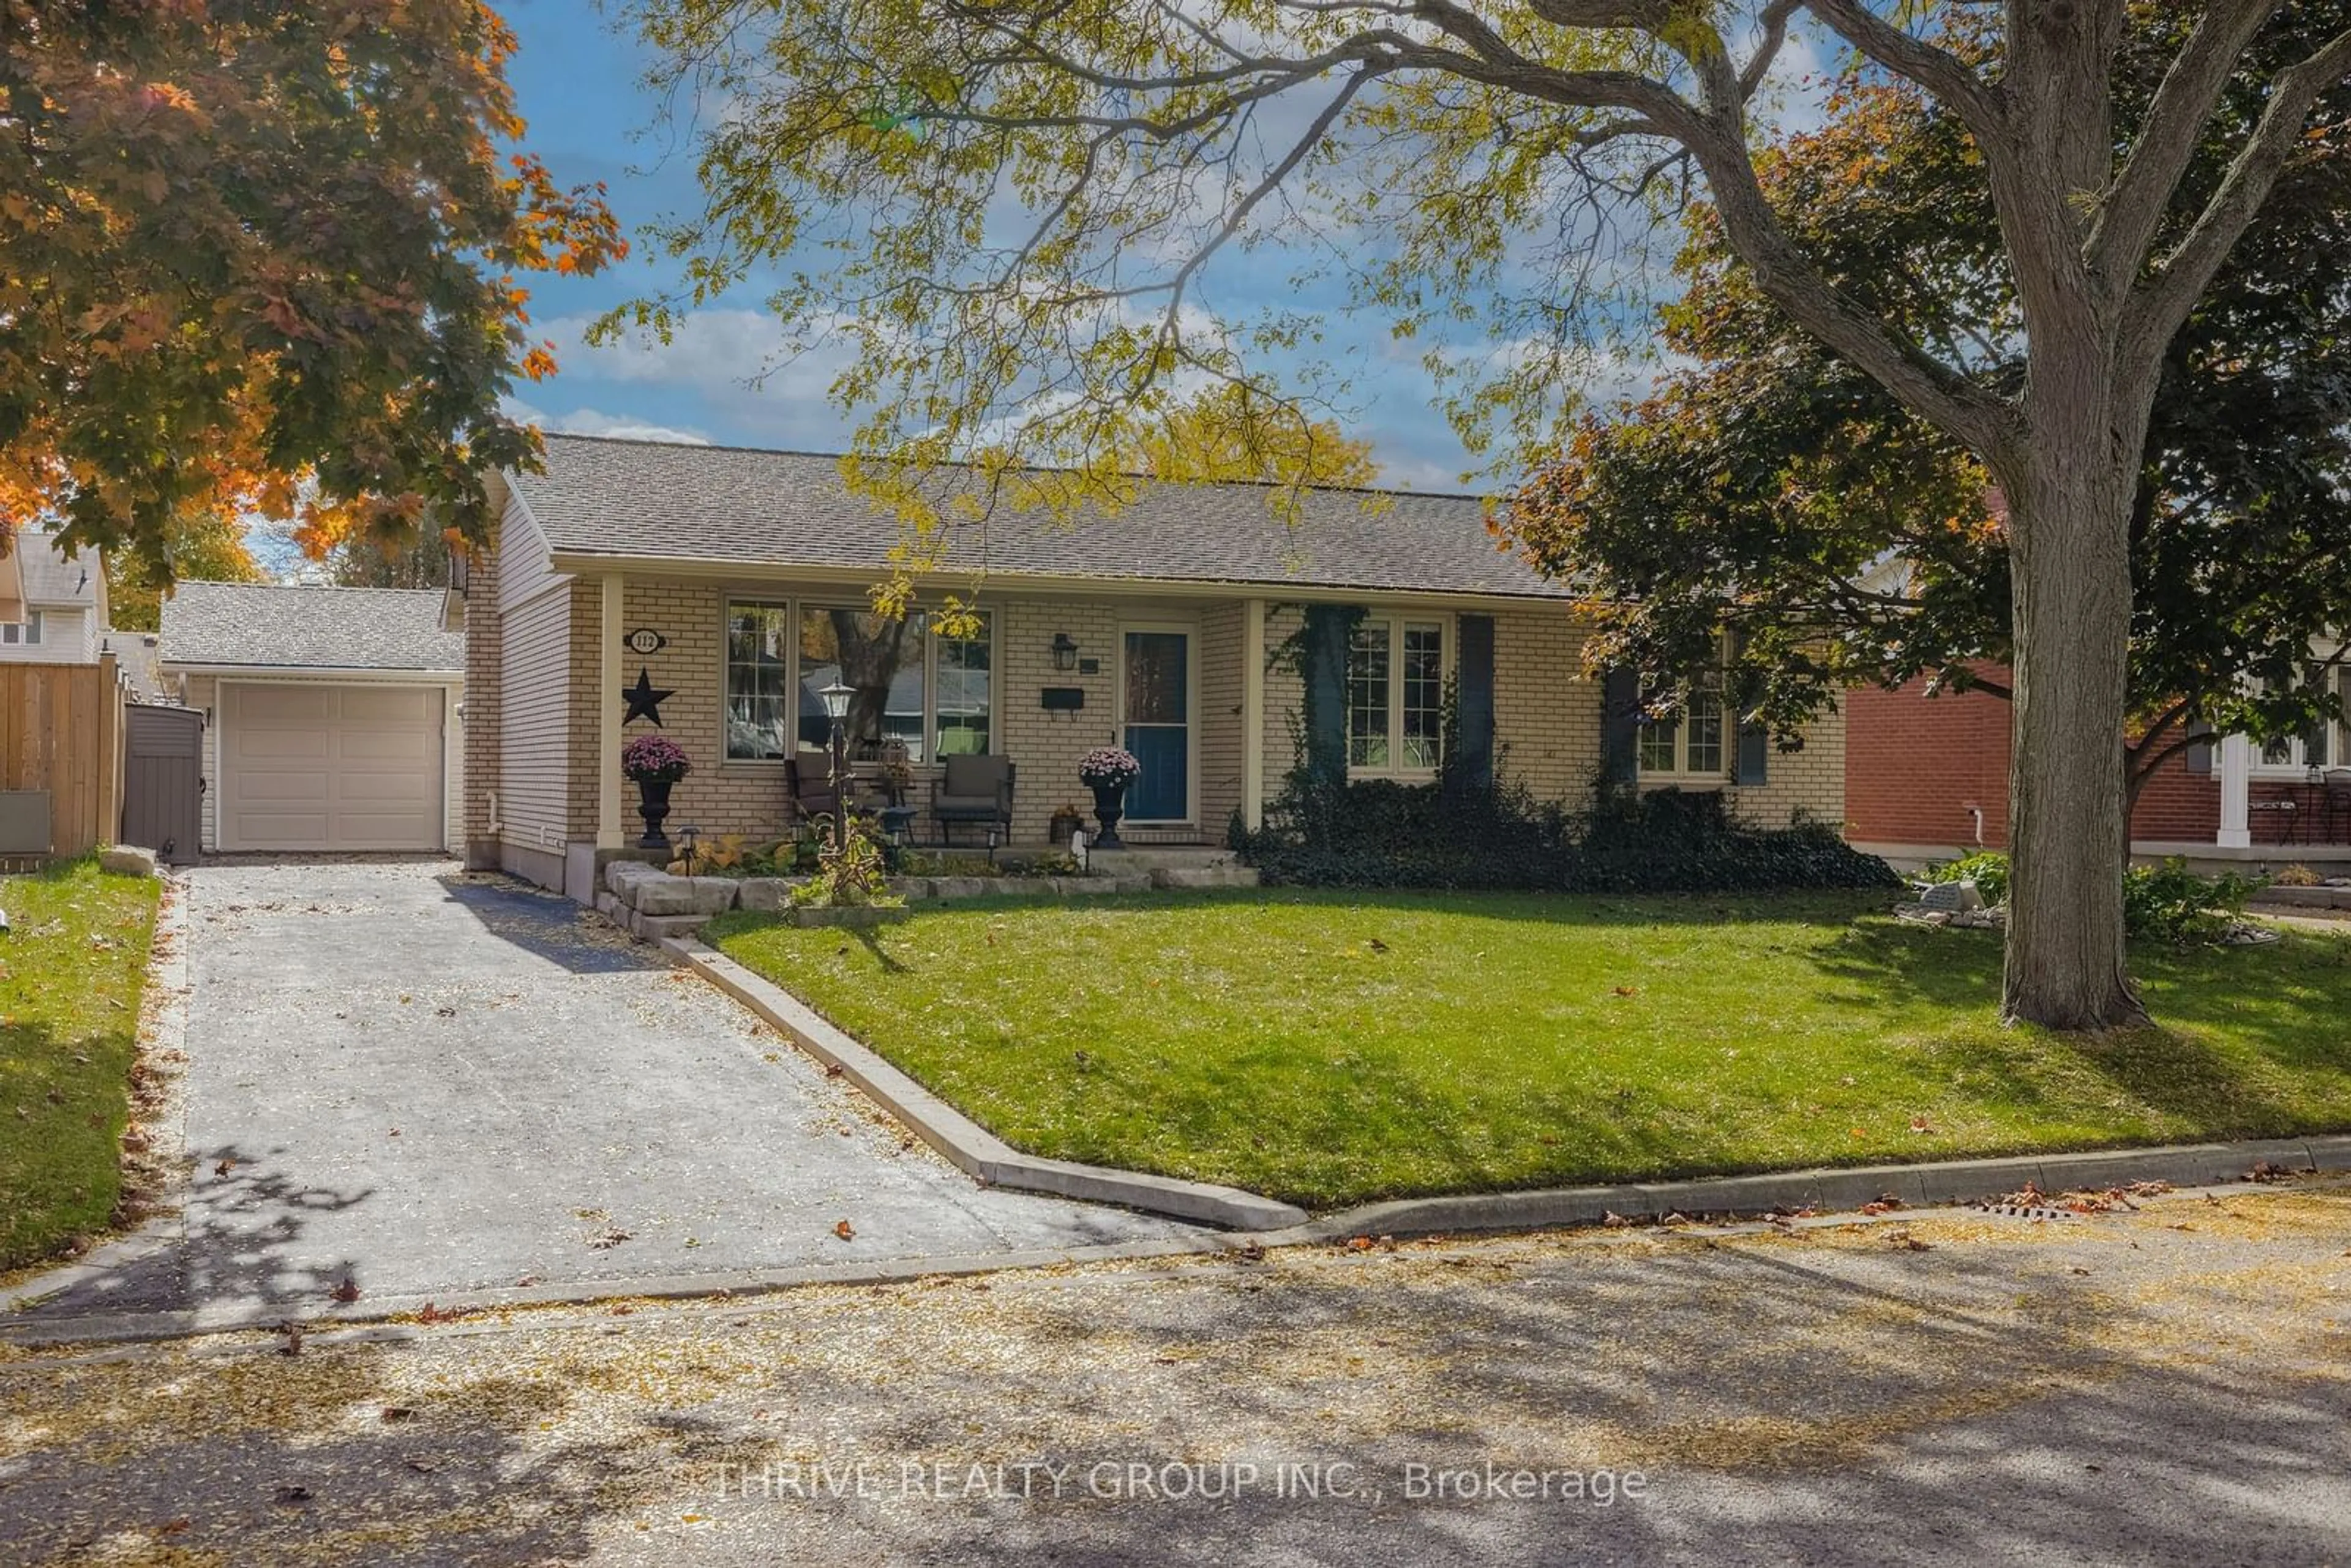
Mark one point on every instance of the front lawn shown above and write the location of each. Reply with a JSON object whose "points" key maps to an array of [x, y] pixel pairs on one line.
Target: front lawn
{"points": [[71, 968], [1332, 1047]]}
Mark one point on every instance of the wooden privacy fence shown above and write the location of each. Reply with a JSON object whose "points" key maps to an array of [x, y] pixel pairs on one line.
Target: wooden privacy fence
{"points": [[60, 735]]}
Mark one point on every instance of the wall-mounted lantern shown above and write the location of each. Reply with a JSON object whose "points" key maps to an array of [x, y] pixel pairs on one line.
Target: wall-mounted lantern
{"points": [[1065, 651]]}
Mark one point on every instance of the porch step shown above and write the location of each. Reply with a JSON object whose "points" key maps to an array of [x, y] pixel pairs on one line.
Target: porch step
{"points": [[1164, 857]]}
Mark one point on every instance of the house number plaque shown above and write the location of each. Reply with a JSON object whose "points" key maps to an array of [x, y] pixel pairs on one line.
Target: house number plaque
{"points": [[644, 640]]}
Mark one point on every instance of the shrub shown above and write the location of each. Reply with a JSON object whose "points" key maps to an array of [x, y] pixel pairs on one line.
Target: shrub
{"points": [[1988, 869], [2168, 903], [849, 874], [1462, 834], [2165, 902]]}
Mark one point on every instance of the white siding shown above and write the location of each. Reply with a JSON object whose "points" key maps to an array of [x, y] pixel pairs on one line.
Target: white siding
{"points": [[66, 638], [534, 718]]}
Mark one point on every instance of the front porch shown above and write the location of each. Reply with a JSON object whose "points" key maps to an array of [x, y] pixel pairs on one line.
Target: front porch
{"points": [[2269, 812]]}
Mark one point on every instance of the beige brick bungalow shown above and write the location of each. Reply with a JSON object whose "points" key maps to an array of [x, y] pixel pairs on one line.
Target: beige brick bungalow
{"points": [[733, 580]]}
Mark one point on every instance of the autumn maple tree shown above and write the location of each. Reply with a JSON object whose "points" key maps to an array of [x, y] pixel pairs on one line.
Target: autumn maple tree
{"points": [[1772, 509], [1012, 214], [264, 258]]}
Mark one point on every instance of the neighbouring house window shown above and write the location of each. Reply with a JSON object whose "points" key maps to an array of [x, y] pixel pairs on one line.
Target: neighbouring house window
{"points": [[881, 660], [1395, 696], [1690, 743], [26, 633], [2328, 746], [759, 704], [963, 693]]}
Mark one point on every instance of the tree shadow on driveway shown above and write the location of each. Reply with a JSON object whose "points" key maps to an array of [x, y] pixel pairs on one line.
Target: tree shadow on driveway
{"points": [[548, 925]]}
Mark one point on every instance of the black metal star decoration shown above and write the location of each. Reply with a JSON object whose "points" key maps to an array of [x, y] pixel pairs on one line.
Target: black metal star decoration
{"points": [[644, 699]]}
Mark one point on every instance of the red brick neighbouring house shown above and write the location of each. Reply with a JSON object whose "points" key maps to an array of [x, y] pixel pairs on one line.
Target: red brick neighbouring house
{"points": [[1927, 778]]}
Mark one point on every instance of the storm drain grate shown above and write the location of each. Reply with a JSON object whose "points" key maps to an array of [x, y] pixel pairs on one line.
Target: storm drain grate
{"points": [[2025, 1211]]}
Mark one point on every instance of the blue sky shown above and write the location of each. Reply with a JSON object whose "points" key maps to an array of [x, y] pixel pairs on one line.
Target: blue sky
{"points": [[577, 81]]}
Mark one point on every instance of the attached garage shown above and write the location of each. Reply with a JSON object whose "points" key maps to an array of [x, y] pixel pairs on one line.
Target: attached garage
{"points": [[336, 726], [330, 768]]}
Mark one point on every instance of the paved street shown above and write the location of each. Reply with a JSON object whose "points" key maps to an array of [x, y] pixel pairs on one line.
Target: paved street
{"points": [[425, 1082], [2166, 1385]]}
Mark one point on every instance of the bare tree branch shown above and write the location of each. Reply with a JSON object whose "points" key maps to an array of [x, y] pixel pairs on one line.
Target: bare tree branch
{"points": [[1941, 73]]}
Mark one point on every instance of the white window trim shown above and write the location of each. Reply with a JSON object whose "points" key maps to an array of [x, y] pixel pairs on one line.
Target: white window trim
{"points": [[1395, 621], [1681, 776], [794, 608], [2297, 770], [28, 632]]}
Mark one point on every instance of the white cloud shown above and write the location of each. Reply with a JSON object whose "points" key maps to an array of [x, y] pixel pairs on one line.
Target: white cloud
{"points": [[594, 422], [715, 350]]}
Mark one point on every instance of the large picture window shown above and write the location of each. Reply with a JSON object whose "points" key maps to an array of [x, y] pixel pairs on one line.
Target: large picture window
{"points": [[881, 661], [1395, 696], [936, 695]]}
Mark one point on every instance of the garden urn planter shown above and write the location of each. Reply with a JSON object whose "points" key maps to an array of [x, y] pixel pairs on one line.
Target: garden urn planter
{"points": [[1110, 805], [652, 805]]}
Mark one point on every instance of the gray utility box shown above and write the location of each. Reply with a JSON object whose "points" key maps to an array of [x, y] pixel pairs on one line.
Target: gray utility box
{"points": [[24, 823]]}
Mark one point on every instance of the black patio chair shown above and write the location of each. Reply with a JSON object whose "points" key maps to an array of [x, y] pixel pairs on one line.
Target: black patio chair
{"points": [[2338, 805], [973, 792]]}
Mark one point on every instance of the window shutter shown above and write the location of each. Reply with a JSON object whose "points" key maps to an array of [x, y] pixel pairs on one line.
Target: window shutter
{"points": [[1620, 726], [1754, 754], [1474, 690], [1326, 692], [2199, 754]]}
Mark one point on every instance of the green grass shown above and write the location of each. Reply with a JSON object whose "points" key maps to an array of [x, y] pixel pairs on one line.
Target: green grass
{"points": [[1331, 1048], [70, 973]]}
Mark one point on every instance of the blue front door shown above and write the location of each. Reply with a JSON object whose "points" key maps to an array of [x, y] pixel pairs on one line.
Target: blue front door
{"points": [[1159, 725]]}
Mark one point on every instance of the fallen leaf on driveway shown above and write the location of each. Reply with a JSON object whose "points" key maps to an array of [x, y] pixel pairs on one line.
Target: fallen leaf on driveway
{"points": [[608, 1240], [346, 1291], [224, 1167], [291, 1493], [845, 1230]]}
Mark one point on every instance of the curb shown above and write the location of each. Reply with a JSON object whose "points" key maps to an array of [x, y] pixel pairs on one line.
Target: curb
{"points": [[1827, 1191], [969, 1146], [327, 1319], [163, 1027], [2186, 1166]]}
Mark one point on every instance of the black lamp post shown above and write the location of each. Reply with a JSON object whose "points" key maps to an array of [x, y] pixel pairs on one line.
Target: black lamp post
{"points": [[835, 698]]}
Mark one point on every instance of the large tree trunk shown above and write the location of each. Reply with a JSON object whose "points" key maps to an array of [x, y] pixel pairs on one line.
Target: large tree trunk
{"points": [[2069, 540]]}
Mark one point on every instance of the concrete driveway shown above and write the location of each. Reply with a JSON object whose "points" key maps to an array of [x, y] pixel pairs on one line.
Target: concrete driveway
{"points": [[427, 1081]]}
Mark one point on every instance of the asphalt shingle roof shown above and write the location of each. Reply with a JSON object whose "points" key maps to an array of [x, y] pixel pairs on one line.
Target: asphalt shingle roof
{"points": [[601, 495], [50, 578], [310, 628]]}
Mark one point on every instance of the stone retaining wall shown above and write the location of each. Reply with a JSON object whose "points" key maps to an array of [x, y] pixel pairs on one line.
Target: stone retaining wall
{"points": [[651, 903]]}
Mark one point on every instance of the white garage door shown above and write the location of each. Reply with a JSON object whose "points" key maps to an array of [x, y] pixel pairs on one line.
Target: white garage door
{"points": [[330, 768]]}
